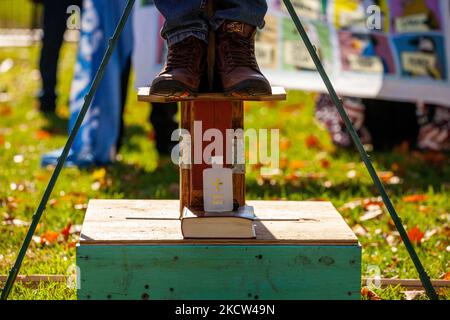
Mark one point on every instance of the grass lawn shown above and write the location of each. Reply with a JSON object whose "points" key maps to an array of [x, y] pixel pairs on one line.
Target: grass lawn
{"points": [[311, 168]]}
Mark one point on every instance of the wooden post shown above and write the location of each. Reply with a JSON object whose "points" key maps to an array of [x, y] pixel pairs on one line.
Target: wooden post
{"points": [[220, 115], [215, 110]]}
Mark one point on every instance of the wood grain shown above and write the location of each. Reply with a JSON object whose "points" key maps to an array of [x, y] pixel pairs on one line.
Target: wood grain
{"points": [[191, 272], [118, 222], [278, 94]]}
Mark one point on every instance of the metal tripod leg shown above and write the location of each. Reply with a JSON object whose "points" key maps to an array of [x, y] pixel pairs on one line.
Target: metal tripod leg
{"points": [[87, 102], [365, 157]]}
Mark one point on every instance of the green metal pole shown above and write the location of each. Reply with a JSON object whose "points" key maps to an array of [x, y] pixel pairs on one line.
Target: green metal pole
{"points": [[365, 157], [87, 102]]}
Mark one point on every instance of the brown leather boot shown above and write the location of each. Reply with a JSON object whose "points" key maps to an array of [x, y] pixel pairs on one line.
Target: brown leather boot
{"points": [[184, 68], [236, 63]]}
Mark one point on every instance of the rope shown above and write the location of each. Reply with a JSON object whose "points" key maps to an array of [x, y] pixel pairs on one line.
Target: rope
{"points": [[87, 102], [365, 157]]}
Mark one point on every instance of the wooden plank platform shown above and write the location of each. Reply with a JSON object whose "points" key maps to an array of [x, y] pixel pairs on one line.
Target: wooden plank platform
{"points": [[278, 94], [119, 222], [133, 249]]}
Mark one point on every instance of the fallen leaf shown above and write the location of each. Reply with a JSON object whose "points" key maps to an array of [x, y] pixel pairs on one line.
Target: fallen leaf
{"points": [[75, 229], [80, 206], [49, 237], [359, 230], [369, 294], [351, 174], [4, 97], [425, 209], [53, 202], [415, 235], [66, 231], [72, 244], [36, 239], [99, 174], [312, 142], [285, 144], [296, 165], [75, 197], [328, 184], [96, 186], [324, 163], [412, 295], [352, 205], [429, 234], [6, 65], [15, 222], [43, 135], [373, 203], [391, 240], [446, 276], [394, 180], [415, 198], [372, 213], [385, 176], [284, 163], [5, 111], [18, 158]]}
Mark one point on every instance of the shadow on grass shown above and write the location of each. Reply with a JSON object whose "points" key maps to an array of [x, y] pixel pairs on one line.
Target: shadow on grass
{"points": [[418, 174], [135, 182]]}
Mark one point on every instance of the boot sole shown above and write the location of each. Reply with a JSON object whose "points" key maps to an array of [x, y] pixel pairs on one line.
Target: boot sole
{"points": [[172, 88], [249, 88]]}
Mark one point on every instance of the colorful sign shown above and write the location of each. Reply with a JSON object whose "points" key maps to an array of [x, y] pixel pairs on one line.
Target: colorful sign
{"points": [[386, 49]]}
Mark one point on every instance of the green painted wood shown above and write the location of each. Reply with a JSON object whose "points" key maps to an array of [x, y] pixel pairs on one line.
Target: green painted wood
{"points": [[219, 272]]}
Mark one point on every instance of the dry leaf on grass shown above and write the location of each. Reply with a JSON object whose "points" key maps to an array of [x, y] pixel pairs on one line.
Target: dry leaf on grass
{"points": [[446, 276], [372, 213], [359, 230], [43, 135], [66, 231], [324, 163], [369, 294], [285, 144], [49, 237], [11, 221], [415, 198], [415, 235], [412, 295], [312, 142]]}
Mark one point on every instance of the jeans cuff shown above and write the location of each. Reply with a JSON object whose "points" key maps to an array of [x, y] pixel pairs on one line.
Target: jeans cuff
{"points": [[216, 22], [181, 35]]}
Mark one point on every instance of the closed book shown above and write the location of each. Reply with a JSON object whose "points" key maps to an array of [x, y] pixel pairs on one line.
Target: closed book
{"points": [[224, 225]]}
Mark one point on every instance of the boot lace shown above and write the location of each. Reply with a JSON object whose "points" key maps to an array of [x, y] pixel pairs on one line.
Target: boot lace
{"points": [[239, 51], [181, 55]]}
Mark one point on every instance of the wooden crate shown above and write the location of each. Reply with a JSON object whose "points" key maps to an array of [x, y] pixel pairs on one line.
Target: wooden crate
{"points": [[133, 249]]}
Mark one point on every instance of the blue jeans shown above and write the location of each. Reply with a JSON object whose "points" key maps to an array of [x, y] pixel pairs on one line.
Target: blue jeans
{"points": [[186, 18]]}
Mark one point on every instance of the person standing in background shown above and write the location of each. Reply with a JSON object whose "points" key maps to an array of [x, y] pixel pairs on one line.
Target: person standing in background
{"points": [[54, 25], [101, 135]]}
